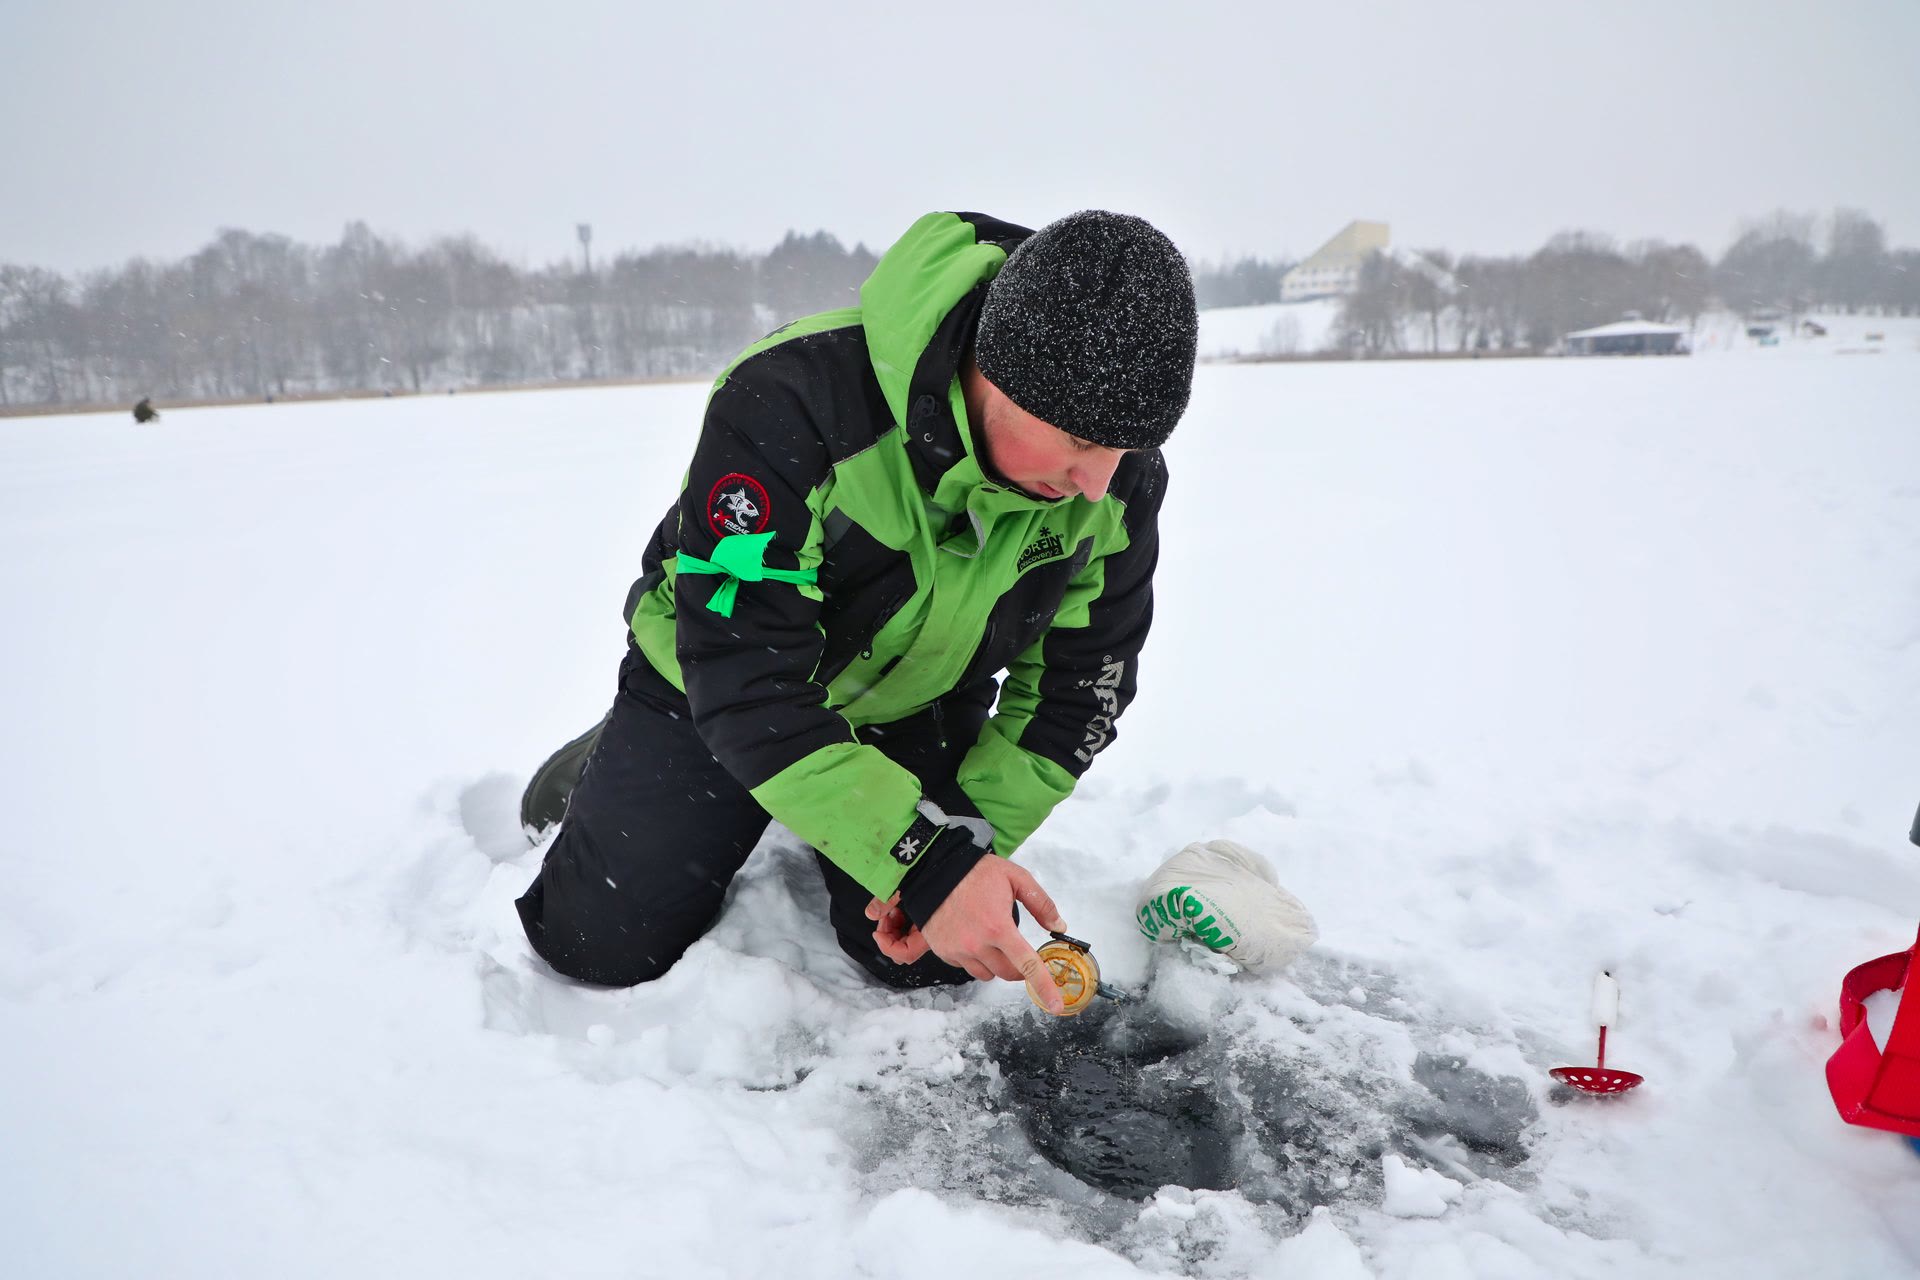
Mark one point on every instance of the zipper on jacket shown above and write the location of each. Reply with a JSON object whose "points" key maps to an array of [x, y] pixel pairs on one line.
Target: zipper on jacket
{"points": [[887, 610]]}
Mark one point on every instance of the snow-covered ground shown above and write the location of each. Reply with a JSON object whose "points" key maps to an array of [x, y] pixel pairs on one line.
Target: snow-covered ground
{"points": [[1721, 332], [1515, 669]]}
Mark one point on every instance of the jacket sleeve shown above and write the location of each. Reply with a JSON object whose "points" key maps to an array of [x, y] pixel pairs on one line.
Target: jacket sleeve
{"points": [[748, 664], [1061, 698]]}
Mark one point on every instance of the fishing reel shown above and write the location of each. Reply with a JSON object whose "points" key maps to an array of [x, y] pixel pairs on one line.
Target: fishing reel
{"points": [[1075, 972]]}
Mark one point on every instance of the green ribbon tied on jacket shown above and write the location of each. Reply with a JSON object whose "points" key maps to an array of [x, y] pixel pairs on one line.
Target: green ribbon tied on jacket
{"points": [[740, 557]]}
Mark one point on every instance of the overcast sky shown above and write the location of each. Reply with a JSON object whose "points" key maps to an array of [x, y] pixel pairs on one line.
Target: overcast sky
{"points": [[142, 128]]}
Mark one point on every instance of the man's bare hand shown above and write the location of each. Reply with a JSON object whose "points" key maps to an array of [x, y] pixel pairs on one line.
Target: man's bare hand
{"points": [[974, 930], [976, 924], [898, 938]]}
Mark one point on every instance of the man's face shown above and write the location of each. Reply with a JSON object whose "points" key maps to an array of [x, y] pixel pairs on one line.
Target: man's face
{"points": [[1040, 458]]}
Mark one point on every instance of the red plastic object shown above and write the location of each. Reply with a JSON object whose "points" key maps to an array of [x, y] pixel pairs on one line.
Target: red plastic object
{"points": [[1871, 1086], [1598, 1078]]}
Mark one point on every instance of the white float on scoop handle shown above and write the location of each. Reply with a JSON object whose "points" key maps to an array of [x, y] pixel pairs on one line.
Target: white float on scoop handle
{"points": [[1606, 1000]]}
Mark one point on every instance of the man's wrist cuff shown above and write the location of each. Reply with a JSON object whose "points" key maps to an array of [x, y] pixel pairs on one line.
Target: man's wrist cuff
{"points": [[938, 872], [917, 840]]}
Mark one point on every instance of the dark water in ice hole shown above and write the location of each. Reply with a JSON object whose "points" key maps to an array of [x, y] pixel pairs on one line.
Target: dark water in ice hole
{"points": [[1128, 1103]]}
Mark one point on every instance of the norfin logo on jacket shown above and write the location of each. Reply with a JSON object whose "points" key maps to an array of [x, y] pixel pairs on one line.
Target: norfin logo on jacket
{"points": [[738, 504], [1047, 546], [1106, 693]]}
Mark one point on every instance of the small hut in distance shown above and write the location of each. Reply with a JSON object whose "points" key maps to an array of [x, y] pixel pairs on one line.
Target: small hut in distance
{"points": [[1630, 337]]}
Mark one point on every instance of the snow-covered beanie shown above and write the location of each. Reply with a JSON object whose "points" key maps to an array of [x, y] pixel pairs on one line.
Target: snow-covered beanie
{"points": [[1091, 326], [1226, 897]]}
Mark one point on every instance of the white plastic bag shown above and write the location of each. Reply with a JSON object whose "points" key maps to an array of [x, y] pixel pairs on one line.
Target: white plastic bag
{"points": [[1226, 897]]}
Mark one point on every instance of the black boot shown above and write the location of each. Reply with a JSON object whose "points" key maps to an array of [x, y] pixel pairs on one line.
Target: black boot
{"points": [[545, 800]]}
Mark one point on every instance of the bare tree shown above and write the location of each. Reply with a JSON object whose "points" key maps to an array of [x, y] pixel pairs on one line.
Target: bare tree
{"points": [[1770, 265], [1244, 282], [1577, 280], [1854, 274], [807, 274], [1371, 316], [1489, 300], [1430, 289], [46, 322], [1903, 281]]}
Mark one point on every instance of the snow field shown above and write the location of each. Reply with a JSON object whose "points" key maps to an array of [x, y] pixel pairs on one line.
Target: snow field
{"points": [[1515, 670]]}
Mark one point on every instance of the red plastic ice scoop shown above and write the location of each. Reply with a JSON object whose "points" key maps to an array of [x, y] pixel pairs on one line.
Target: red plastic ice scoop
{"points": [[1600, 1078], [1871, 1085]]}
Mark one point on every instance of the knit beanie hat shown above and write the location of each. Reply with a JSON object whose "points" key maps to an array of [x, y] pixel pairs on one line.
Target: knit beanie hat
{"points": [[1091, 326]]}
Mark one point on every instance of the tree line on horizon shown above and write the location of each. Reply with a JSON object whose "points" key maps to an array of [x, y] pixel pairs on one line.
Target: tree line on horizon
{"points": [[1430, 301], [256, 316], [253, 316]]}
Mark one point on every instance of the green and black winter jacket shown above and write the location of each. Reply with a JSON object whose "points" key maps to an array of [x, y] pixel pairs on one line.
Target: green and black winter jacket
{"points": [[838, 557]]}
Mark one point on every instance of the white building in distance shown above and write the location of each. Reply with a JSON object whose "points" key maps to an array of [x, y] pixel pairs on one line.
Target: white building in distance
{"points": [[1630, 337], [1334, 268]]}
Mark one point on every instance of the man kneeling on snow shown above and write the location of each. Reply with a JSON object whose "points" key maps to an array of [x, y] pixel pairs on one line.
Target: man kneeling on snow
{"points": [[899, 518]]}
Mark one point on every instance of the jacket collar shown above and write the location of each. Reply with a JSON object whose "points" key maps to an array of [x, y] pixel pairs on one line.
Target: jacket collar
{"points": [[940, 442], [936, 441]]}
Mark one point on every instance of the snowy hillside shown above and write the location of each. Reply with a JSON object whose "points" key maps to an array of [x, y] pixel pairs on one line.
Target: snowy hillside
{"points": [[1304, 328], [1516, 670], [1268, 329]]}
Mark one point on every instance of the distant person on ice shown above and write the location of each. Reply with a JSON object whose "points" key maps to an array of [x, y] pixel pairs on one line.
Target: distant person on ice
{"points": [[145, 412], [897, 607]]}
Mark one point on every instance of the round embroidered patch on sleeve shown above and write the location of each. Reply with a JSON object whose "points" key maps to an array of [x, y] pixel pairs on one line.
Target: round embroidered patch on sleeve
{"points": [[738, 504]]}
